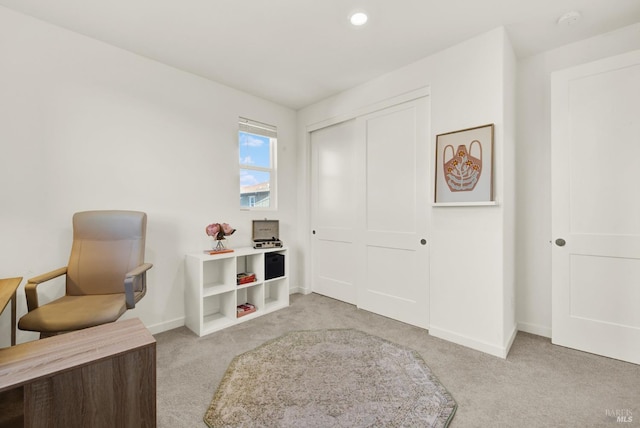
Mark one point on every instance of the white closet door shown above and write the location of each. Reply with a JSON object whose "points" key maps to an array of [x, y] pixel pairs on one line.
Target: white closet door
{"points": [[393, 275], [333, 212], [596, 208]]}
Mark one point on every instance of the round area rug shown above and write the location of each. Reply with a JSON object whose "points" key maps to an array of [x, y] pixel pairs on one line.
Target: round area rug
{"points": [[330, 378]]}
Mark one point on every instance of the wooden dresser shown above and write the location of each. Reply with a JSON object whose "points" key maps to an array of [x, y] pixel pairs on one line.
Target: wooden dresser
{"points": [[103, 376]]}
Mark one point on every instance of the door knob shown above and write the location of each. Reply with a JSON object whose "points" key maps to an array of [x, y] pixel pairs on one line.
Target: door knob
{"points": [[314, 232], [423, 241], [560, 242]]}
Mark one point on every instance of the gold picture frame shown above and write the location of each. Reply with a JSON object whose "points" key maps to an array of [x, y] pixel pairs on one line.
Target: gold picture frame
{"points": [[464, 166]]}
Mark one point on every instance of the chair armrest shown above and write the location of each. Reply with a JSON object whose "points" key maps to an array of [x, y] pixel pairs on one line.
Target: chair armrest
{"points": [[140, 269], [32, 283], [138, 273]]}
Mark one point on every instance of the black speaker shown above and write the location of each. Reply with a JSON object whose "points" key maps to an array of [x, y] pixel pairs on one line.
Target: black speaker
{"points": [[273, 265]]}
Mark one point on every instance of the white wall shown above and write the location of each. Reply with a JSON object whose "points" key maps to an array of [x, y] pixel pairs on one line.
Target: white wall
{"points": [[510, 197], [470, 85], [533, 177], [85, 125]]}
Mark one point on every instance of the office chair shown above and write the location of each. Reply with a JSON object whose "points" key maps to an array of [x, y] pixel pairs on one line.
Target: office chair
{"points": [[106, 274]]}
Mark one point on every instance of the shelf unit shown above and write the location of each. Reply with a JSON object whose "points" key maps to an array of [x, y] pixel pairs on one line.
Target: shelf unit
{"points": [[211, 293]]}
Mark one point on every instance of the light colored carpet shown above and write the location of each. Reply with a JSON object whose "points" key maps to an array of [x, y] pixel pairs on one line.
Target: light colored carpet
{"points": [[330, 378], [537, 385]]}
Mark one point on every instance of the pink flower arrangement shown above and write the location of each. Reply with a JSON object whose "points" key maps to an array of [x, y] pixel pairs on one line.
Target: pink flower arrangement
{"points": [[219, 231]]}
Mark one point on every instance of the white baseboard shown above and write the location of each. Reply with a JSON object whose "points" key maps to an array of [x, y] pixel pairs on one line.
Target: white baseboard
{"points": [[166, 325], [538, 330], [478, 345], [300, 290], [179, 322], [507, 346]]}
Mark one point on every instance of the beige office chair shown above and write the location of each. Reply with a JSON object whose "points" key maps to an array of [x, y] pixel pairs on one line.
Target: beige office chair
{"points": [[106, 274]]}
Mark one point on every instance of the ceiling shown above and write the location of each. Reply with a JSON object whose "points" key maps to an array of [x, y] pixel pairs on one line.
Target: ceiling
{"points": [[297, 52]]}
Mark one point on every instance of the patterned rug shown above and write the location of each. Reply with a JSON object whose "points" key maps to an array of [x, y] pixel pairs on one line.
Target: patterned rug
{"points": [[330, 378]]}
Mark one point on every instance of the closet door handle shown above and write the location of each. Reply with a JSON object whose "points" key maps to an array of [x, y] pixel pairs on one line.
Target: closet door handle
{"points": [[560, 242], [423, 241]]}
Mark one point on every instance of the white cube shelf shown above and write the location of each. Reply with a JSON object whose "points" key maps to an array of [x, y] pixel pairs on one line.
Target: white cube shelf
{"points": [[211, 293]]}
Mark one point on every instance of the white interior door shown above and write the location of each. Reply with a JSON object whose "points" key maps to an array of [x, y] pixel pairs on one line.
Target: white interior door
{"points": [[333, 211], [393, 269], [596, 207]]}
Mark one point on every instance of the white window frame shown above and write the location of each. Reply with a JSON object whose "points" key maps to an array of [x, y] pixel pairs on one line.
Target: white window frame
{"points": [[271, 132]]}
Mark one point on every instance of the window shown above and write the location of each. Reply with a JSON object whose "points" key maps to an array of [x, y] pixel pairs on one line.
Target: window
{"points": [[257, 147]]}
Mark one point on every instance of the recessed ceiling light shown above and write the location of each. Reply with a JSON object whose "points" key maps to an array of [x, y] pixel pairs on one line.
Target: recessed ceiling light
{"points": [[358, 18]]}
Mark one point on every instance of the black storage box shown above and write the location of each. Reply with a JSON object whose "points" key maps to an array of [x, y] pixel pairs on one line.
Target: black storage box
{"points": [[273, 265]]}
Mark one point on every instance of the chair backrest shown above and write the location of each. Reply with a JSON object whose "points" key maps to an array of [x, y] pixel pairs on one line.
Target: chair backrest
{"points": [[106, 245]]}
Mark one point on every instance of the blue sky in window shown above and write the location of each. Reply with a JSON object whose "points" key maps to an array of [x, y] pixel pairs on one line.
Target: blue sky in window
{"points": [[249, 177], [254, 150]]}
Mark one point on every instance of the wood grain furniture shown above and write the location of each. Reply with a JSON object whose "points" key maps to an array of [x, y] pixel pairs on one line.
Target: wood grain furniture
{"points": [[8, 287], [101, 376], [212, 292]]}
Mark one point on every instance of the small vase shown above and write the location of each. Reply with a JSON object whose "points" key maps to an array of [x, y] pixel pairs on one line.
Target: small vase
{"points": [[219, 244]]}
